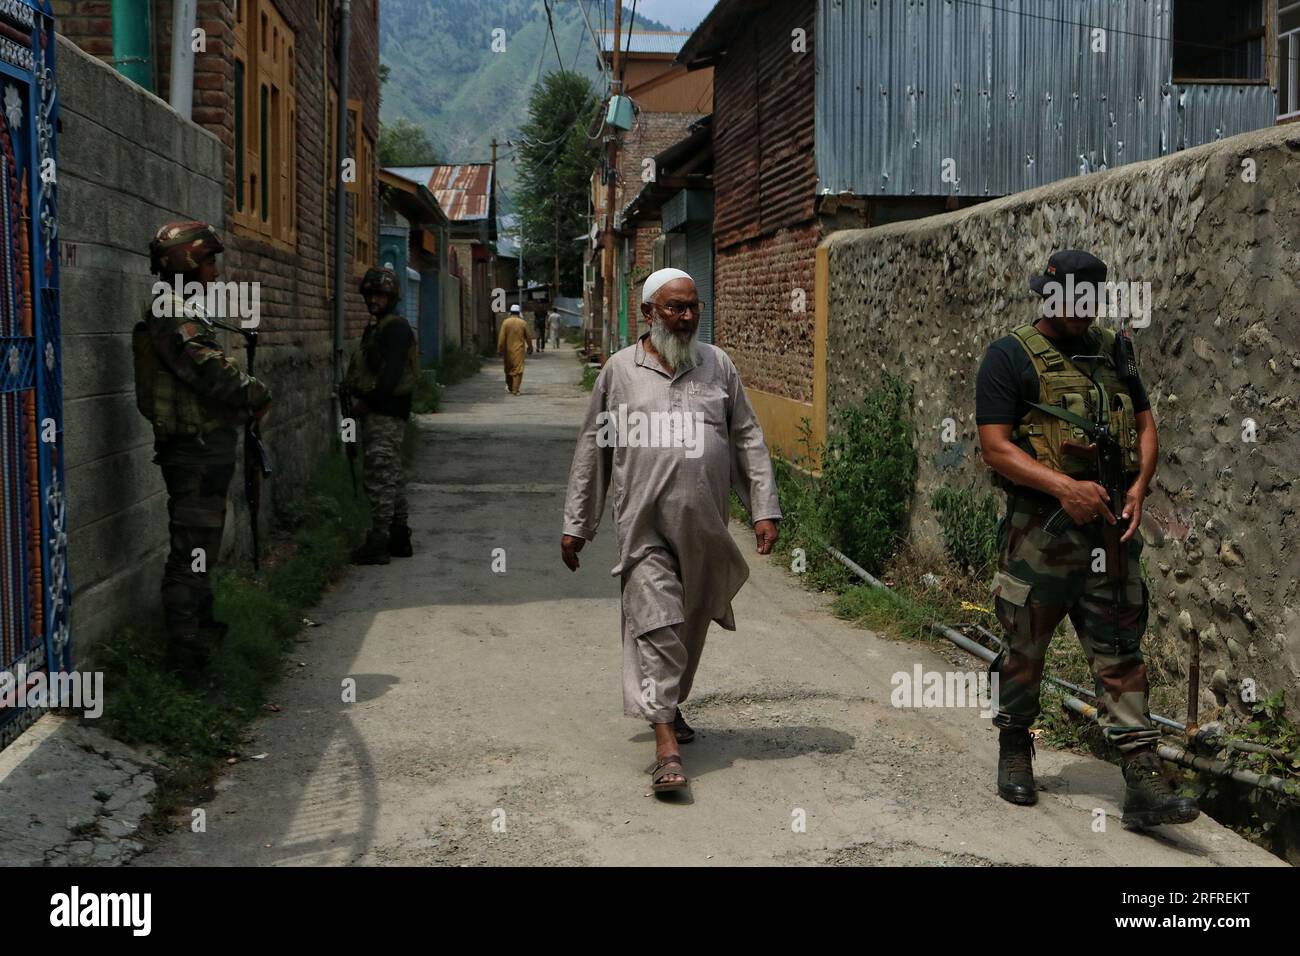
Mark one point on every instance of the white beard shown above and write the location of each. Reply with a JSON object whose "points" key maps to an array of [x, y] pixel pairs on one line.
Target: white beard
{"points": [[680, 354]]}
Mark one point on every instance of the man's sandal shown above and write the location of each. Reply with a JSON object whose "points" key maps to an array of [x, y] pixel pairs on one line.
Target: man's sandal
{"points": [[667, 767]]}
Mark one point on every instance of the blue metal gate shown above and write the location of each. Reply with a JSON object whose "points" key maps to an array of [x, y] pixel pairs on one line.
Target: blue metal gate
{"points": [[34, 588]]}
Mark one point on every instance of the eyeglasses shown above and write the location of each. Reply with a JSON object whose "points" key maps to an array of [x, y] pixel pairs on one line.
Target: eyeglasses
{"points": [[678, 309]]}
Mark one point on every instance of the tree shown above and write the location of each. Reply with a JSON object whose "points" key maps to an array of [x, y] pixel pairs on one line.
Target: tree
{"points": [[555, 160], [405, 144]]}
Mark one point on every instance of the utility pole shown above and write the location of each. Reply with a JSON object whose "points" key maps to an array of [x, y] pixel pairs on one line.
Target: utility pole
{"points": [[611, 282]]}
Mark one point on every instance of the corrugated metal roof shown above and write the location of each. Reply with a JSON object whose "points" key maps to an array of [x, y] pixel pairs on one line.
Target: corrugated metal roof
{"points": [[643, 41], [464, 190], [1013, 96]]}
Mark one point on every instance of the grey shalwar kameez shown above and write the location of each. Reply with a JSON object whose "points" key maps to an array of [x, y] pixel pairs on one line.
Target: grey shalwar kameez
{"points": [[679, 566]]}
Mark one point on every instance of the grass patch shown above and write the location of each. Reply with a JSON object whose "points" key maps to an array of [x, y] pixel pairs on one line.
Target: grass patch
{"points": [[968, 520], [589, 375], [458, 365], [869, 476], [192, 732], [427, 397]]}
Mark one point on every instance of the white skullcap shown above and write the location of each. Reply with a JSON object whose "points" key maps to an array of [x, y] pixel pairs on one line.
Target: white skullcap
{"points": [[514, 309], [655, 280]]}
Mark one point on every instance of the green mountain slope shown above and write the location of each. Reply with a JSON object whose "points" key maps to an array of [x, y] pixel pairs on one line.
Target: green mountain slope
{"points": [[446, 77]]}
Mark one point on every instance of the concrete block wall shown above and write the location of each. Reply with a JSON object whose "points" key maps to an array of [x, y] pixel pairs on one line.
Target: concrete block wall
{"points": [[114, 191], [1213, 230]]}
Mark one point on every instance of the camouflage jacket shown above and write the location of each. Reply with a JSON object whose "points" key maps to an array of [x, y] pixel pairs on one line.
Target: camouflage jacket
{"points": [[184, 384]]}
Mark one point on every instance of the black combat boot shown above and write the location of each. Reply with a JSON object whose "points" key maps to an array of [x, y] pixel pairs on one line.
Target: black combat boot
{"points": [[373, 551], [1016, 767], [399, 541], [1148, 798]]}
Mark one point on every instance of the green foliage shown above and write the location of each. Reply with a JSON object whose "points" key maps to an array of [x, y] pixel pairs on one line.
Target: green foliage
{"points": [[195, 730], [458, 365], [1271, 727], [589, 375], [428, 394], [404, 143], [555, 160], [968, 519], [869, 475], [906, 615]]}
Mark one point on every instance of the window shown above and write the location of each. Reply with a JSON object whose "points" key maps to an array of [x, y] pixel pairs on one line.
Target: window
{"points": [[361, 190], [1288, 61], [1220, 42], [266, 118]]}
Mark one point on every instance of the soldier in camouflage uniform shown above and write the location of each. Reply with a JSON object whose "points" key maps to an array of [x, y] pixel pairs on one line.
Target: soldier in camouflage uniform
{"points": [[1026, 381], [380, 381], [196, 399]]}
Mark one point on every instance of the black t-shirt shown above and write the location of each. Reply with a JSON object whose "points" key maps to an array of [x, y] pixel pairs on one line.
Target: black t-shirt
{"points": [[1007, 382], [387, 357]]}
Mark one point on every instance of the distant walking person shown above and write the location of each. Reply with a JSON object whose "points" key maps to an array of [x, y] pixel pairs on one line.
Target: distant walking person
{"points": [[539, 326], [553, 325], [380, 381], [513, 341]]}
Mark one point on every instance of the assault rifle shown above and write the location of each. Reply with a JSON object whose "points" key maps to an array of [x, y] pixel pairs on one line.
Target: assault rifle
{"points": [[257, 460], [349, 447]]}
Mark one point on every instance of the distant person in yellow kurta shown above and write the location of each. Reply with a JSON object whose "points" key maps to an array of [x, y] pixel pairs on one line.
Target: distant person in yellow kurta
{"points": [[514, 339]]}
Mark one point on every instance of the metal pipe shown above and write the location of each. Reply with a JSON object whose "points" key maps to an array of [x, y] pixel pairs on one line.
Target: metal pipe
{"points": [[340, 187], [982, 652], [132, 34], [1204, 764], [184, 16]]}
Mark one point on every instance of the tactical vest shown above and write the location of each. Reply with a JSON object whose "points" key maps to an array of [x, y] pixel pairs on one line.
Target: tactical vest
{"points": [[1067, 397], [363, 370], [173, 407]]}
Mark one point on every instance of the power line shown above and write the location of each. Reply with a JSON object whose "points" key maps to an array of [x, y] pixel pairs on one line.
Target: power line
{"points": [[550, 27]]}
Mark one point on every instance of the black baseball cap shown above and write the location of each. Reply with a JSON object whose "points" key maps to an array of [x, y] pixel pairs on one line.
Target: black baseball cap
{"points": [[1084, 266]]}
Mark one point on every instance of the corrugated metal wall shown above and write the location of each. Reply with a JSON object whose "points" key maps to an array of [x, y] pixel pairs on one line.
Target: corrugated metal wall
{"points": [[763, 126], [699, 263], [1011, 91]]}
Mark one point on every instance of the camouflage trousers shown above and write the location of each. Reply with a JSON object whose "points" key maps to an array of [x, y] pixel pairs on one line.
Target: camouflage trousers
{"points": [[385, 477], [196, 511], [1040, 580]]}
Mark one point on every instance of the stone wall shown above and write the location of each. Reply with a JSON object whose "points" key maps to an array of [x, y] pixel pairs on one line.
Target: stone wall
{"points": [[1221, 251]]}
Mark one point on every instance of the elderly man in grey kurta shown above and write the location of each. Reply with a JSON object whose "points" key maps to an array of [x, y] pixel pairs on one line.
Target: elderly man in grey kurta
{"points": [[671, 428]]}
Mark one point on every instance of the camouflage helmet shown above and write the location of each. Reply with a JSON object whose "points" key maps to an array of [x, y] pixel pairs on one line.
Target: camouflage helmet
{"points": [[382, 279], [178, 246]]}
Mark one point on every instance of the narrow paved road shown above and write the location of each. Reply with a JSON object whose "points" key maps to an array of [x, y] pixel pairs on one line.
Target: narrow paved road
{"points": [[488, 725]]}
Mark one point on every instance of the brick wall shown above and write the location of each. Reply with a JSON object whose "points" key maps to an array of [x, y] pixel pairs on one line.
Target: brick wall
{"points": [[754, 319], [652, 134], [765, 182]]}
